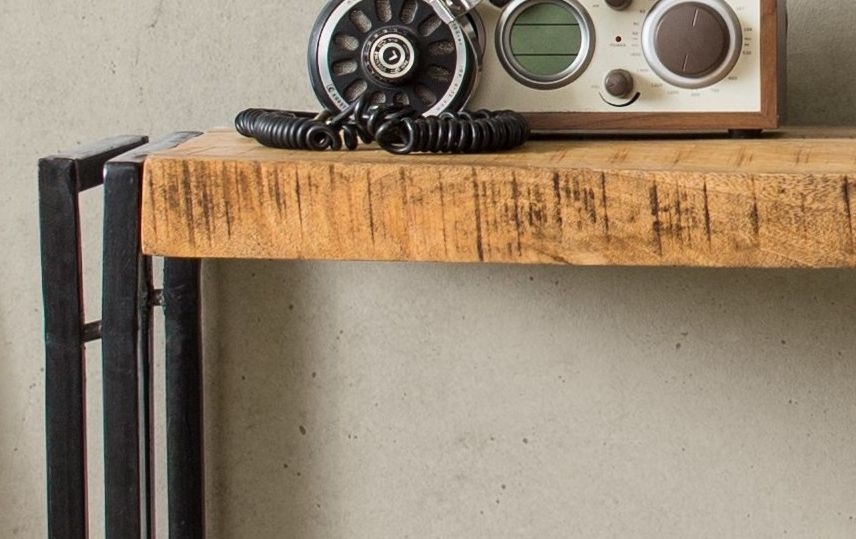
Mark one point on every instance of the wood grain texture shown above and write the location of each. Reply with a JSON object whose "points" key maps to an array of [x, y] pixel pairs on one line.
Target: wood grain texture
{"points": [[786, 200]]}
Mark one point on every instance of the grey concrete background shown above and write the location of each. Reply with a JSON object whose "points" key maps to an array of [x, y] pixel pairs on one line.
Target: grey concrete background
{"points": [[437, 401]]}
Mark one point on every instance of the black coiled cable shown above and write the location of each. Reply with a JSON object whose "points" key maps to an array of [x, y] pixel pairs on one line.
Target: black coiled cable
{"points": [[397, 129]]}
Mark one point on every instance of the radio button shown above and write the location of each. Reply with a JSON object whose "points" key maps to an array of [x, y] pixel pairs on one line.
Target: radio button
{"points": [[618, 83]]}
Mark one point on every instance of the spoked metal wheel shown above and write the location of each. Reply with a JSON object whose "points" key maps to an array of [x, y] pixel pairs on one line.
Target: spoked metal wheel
{"points": [[394, 52]]}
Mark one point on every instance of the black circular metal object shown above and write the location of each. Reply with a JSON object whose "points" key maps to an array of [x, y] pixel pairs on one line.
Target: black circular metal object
{"points": [[346, 60]]}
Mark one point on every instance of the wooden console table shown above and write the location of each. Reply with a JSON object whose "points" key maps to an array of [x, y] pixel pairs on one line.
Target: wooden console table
{"points": [[784, 200]]}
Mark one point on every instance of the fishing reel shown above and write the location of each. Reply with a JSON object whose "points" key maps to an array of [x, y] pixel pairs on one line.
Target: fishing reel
{"points": [[395, 72], [424, 54]]}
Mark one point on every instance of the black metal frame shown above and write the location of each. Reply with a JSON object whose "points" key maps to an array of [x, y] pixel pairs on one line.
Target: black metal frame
{"points": [[185, 473], [61, 180], [126, 333]]}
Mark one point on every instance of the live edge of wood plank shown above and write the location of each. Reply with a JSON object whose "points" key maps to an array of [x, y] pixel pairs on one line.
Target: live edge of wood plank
{"points": [[783, 200]]}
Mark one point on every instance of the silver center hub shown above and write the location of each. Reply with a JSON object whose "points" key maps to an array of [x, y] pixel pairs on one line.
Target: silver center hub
{"points": [[392, 57]]}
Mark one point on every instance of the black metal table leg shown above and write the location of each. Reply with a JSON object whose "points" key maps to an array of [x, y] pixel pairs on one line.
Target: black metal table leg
{"points": [[126, 335], [61, 179], [181, 303]]}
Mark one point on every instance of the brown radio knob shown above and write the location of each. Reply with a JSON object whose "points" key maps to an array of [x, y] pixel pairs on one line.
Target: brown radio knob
{"points": [[692, 40], [619, 4], [692, 44], [618, 83]]}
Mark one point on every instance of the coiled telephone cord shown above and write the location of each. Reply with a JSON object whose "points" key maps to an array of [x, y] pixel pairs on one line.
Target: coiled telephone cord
{"points": [[396, 129]]}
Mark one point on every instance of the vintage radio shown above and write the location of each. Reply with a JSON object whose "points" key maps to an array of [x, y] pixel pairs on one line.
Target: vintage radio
{"points": [[567, 65]]}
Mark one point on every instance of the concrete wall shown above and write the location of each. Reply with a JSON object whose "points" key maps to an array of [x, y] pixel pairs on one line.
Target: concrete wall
{"points": [[437, 401]]}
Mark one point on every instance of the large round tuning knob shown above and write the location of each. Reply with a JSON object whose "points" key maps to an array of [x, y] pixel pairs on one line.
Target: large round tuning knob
{"points": [[692, 44]]}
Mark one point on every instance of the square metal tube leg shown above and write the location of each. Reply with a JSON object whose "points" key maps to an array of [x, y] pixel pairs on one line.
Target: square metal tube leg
{"points": [[61, 179], [124, 355], [182, 321], [126, 335]]}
